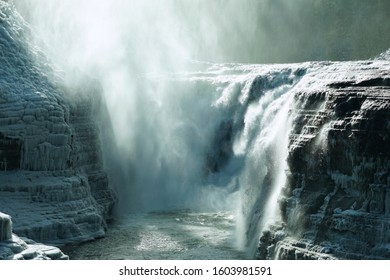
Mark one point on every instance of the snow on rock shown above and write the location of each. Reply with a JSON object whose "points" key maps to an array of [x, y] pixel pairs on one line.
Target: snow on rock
{"points": [[334, 199], [52, 181], [335, 203], [18, 248], [5, 227]]}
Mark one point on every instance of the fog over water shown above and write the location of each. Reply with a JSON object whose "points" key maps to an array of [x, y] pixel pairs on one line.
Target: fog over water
{"points": [[249, 31], [145, 53]]}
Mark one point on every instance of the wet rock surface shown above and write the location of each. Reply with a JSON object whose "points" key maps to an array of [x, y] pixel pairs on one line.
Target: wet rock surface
{"points": [[52, 181], [336, 200]]}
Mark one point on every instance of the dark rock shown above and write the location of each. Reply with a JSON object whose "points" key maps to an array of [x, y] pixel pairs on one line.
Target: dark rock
{"points": [[52, 180], [339, 161]]}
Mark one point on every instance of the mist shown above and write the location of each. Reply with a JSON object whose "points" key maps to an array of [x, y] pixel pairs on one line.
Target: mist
{"points": [[162, 129], [250, 31]]}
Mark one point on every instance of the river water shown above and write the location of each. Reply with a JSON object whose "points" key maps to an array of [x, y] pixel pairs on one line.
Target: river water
{"points": [[164, 235]]}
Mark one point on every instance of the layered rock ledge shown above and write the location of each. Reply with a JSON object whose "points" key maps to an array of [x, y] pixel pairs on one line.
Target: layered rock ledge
{"points": [[336, 202], [13, 247], [52, 181]]}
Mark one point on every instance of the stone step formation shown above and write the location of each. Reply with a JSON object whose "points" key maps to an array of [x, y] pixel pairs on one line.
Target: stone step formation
{"points": [[334, 202], [13, 247], [52, 180]]}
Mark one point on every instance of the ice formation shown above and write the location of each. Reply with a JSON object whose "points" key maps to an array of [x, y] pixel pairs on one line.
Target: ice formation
{"points": [[52, 181], [5, 227], [302, 148]]}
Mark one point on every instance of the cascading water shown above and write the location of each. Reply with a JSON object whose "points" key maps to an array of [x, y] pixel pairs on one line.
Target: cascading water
{"points": [[206, 140], [260, 106], [184, 138], [238, 127]]}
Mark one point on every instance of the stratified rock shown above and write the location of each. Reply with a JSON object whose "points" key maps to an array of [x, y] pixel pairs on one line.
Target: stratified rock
{"points": [[307, 147], [336, 201], [51, 173]]}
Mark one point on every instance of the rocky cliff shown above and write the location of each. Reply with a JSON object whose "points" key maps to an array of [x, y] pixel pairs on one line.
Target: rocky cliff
{"points": [[304, 148], [16, 248], [336, 202], [52, 181]]}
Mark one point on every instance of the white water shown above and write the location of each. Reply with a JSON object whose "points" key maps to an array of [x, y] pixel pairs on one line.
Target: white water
{"points": [[210, 140], [164, 235], [224, 159]]}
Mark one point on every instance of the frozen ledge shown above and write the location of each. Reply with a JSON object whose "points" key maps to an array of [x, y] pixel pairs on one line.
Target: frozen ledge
{"points": [[5, 227], [13, 247], [18, 248]]}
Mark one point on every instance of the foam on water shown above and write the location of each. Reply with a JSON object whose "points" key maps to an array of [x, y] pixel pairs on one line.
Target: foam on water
{"points": [[164, 235]]}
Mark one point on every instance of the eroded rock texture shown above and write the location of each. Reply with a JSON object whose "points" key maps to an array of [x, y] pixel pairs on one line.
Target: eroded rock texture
{"points": [[13, 247], [336, 203], [52, 181]]}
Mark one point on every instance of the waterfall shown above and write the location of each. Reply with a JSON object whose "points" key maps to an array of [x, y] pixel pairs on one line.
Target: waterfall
{"points": [[259, 109], [185, 134], [211, 138], [185, 131]]}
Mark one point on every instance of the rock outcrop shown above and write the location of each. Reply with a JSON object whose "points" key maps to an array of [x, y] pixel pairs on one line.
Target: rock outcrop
{"points": [[315, 136], [306, 145], [5, 227], [52, 181], [336, 202], [13, 247]]}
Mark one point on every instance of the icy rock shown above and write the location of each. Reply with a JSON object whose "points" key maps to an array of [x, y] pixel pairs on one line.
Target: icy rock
{"points": [[339, 161], [5, 227], [29, 253], [5, 252], [301, 250], [52, 252], [336, 188], [52, 180], [17, 249]]}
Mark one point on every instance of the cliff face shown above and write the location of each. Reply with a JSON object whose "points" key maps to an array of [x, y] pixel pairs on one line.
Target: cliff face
{"points": [[52, 181], [310, 140], [336, 202], [306, 146]]}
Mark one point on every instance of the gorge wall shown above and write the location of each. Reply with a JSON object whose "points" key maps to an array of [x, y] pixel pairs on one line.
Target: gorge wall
{"points": [[303, 149], [52, 181], [337, 198]]}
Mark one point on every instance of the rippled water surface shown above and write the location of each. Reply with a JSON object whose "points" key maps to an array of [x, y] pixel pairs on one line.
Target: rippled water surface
{"points": [[166, 235]]}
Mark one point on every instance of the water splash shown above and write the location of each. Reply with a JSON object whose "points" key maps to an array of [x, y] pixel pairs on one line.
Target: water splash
{"points": [[206, 140], [258, 106], [264, 175]]}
